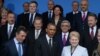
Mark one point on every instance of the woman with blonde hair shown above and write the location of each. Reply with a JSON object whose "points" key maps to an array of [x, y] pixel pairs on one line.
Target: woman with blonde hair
{"points": [[74, 49]]}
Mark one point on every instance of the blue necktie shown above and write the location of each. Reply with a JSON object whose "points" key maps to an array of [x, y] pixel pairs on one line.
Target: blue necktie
{"points": [[19, 49], [31, 20], [50, 15]]}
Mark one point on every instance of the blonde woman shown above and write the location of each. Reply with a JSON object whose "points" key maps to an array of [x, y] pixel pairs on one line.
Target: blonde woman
{"points": [[74, 49]]}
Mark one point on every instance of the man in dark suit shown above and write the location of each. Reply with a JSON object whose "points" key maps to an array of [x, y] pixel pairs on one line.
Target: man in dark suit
{"points": [[70, 16], [45, 45], [15, 47], [63, 37], [7, 31], [28, 18], [47, 16], [90, 40], [34, 34], [20, 16], [81, 21]]}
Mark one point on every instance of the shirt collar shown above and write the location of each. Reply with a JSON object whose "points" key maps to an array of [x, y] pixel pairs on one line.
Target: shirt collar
{"points": [[75, 12], [16, 41], [47, 37], [65, 33], [10, 25]]}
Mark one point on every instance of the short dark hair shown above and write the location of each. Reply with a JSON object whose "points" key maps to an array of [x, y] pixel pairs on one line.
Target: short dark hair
{"points": [[94, 15], [51, 24], [21, 28], [75, 2], [34, 2], [38, 18]]}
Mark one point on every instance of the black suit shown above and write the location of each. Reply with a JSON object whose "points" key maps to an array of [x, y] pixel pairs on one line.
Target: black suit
{"points": [[11, 50], [20, 18], [80, 25], [31, 41], [24, 20], [59, 40], [4, 33], [71, 18], [90, 43], [42, 48]]}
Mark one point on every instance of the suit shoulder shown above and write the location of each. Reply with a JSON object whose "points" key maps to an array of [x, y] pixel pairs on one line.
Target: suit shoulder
{"points": [[45, 12], [83, 48]]}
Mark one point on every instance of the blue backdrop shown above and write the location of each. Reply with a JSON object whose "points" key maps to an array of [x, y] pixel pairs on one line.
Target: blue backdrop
{"points": [[16, 5]]}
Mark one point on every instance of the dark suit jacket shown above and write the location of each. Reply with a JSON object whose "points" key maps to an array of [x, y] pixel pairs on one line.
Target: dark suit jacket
{"points": [[58, 24], [58, 39], [90, 43], [71, 18], [10, 49], [31, 41], [4, 33], [81, 25], [45, 19], [42, 48], [24, 20]]}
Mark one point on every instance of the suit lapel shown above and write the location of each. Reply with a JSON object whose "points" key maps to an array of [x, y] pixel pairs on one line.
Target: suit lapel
{"points": [[46, 44]]}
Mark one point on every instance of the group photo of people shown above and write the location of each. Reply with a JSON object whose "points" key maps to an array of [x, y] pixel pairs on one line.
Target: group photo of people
{"points": [[50, 33]]}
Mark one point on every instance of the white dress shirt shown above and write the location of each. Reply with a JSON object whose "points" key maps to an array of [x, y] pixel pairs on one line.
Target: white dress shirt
{"points": [[33, 16], [17, 44], [49, 13], [79, 51], [75, 12], [67, 34], [8, 27], [83, 13], [48, 38], [94, 30], [37, 33]]}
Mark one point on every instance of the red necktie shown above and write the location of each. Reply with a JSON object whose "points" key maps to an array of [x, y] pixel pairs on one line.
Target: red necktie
{"points": [[83, 17], [92, 33], [64, 39]]}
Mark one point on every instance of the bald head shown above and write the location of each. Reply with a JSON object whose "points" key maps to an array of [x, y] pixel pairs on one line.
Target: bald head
{"points": [[84, 5], [50, 4]]}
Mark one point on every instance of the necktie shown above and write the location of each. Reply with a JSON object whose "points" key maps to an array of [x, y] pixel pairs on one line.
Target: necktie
{"points": [[64, 39], [50, 15], [31, 20], [37, 34], [50, 45], [9, 32], [83, 17], [19, 49], [92, 33]]}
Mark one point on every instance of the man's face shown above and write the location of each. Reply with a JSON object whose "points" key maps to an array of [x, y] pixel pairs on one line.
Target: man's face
{"points": [[74, 41], [65, 27], [50, 5], [75, 6], [51, 30], [38, 24], [91, 21], [11, 18], [32, 7], [26, 7], [21, 36], [84, 5]]}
